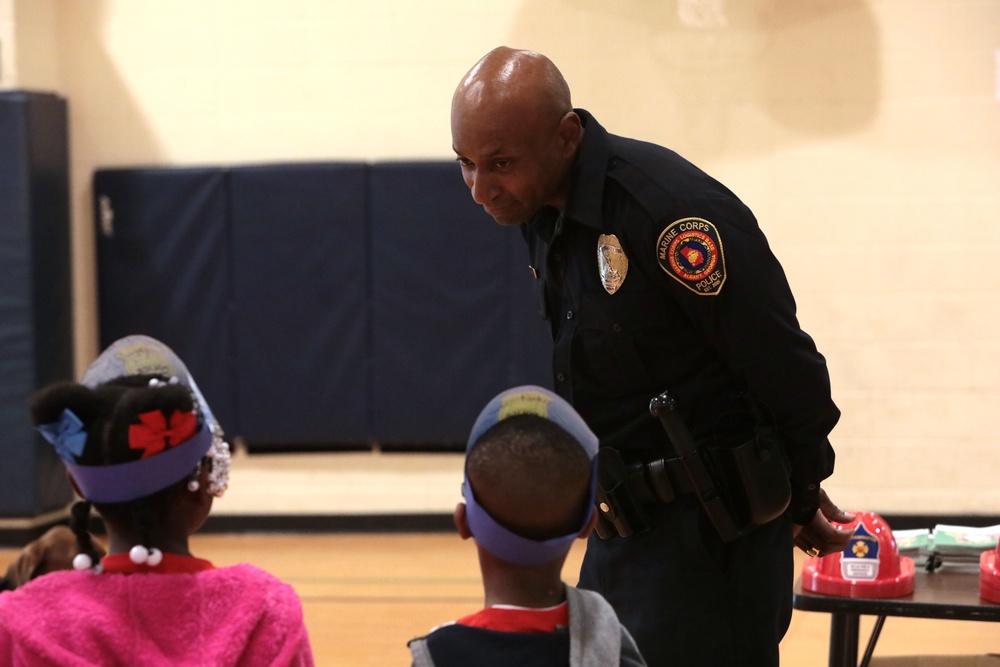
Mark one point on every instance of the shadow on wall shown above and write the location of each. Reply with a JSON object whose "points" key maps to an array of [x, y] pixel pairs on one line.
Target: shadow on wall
{"points": [[806, 68], [822, 54], [99, 99], [98, 93]]}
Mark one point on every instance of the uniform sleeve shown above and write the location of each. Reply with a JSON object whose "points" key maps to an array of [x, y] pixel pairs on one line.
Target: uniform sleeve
{"points": [[745, 309]]}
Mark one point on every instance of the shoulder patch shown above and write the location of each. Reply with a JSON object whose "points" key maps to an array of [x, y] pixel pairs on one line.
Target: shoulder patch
{"points": [[690, 251]]}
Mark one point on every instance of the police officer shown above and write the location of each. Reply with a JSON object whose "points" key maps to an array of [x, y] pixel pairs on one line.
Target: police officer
{"points": [[653, 276]]}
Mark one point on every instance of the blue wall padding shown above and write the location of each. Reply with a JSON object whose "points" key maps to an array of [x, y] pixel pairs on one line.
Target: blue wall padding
{"points": [[164, 269], [529, 341], [441, 307], [36, 338], [300, 280], [352, 303]]}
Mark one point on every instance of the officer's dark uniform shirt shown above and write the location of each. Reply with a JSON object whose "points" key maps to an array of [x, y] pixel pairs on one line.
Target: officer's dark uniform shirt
{"points": [[702, 309]]}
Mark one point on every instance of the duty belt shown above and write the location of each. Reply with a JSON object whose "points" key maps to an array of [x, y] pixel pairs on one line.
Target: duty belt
{"points": [[624, 488], [660, 480], [757, 490]]}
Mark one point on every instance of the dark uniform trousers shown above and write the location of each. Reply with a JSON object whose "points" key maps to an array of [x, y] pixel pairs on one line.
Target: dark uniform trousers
{"points": [[730, 583]]}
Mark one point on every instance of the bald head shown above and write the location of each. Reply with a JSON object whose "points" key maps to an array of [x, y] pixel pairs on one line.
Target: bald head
{"points": [[520, 79], [515, 134]]}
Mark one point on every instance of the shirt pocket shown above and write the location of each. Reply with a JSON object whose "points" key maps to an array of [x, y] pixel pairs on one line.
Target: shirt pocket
{"points": [[614, 337]]}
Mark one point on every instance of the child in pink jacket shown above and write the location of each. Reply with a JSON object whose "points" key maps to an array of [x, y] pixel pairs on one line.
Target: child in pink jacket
{"points": [[141, 444]]}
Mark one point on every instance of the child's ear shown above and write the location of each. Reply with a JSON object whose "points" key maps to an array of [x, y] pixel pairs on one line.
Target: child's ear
{"points": [[585, 533], [461, 522], [203, 495]]}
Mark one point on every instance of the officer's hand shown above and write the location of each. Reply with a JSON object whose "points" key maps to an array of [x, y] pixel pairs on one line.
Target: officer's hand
{"points": [[819, 537]]}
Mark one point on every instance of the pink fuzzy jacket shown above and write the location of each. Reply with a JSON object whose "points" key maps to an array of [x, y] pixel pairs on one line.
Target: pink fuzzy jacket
{"points": [[238, 615]]}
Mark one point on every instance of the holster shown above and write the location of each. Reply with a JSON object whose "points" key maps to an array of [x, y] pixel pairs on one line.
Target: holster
{"points": [[739, 487], [623, 490], [619, 510]]}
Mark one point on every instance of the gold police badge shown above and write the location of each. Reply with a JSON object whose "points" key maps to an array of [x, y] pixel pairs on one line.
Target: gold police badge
{"points": [[612, 262]]}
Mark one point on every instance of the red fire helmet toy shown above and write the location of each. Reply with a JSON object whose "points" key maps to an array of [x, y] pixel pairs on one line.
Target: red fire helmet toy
{"points": [[989, 576], [870, 566]]}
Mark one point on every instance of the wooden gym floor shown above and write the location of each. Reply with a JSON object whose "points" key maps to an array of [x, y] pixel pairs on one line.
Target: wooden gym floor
{"points": [[365, 594]]}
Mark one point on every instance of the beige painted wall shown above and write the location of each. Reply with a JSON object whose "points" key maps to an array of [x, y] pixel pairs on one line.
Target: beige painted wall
{"points": [[865, 136], [7, 72]]}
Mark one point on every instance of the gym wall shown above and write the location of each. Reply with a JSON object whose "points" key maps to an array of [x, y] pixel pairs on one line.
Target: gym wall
{"points": [[864, 134]]}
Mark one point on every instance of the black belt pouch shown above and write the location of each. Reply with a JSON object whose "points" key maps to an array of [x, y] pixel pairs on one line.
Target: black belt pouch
{"points": [[754, 478]]}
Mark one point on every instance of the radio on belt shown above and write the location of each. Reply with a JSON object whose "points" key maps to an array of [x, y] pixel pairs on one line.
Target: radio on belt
{"points": [[870, 566]]}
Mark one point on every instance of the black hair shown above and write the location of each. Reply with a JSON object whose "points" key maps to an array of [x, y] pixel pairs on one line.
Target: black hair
{"points": [[107, 412], [535, 473], [79, 523]]}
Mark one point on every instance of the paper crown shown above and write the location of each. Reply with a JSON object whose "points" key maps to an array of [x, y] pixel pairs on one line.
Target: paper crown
{"points": [[143, 355], [122, 482], [495, 538]]}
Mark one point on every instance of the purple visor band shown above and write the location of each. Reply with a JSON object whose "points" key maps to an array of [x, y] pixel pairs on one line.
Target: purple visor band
{"points": [[122, 482], [508, 545]]}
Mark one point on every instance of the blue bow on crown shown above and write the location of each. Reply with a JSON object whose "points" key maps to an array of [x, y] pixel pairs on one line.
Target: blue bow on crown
{"points": [[67, 435]]}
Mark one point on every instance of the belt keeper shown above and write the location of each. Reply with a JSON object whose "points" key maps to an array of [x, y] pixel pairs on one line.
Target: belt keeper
{"points": [[659, 481]]}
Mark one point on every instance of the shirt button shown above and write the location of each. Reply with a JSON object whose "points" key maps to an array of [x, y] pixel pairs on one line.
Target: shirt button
{"points": [[557, 257], [616, 327], [560, 377], [569, 314]]}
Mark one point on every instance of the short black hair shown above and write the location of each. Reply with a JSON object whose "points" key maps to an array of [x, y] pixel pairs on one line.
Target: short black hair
{"points": [[534, 476]]}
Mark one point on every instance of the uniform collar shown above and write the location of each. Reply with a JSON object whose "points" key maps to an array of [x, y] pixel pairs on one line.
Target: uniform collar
{"points": [[589, 172], [586, 193]]}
